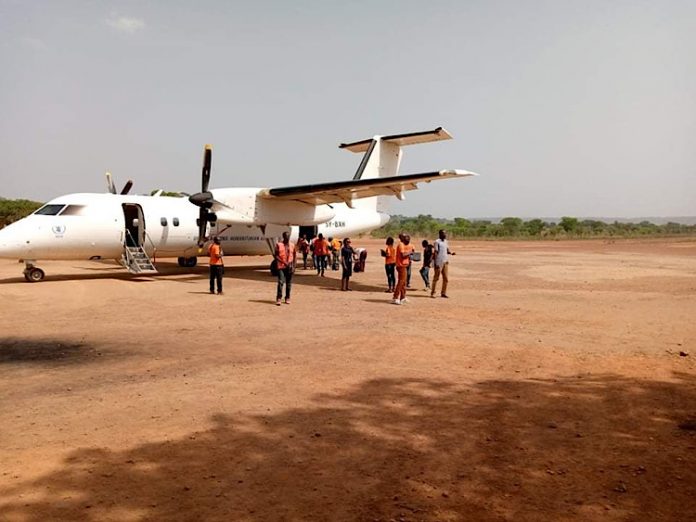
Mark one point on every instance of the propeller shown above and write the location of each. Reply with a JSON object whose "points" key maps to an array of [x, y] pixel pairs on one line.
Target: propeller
{"points": [[204, 199], [126, 188], [112, 188], [110, 183]]}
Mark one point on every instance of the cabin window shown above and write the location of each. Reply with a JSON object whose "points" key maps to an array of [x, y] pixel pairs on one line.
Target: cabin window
{"points": [[163, 221], [49, 210], [175, 221], [73, 210]]}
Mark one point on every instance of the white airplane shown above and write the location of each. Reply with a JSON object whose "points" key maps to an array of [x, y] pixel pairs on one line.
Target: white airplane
{"points": [[134, 230]]}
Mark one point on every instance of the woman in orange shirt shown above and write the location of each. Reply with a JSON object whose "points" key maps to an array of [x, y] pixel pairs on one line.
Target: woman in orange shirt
{"points": [[389, 255]]}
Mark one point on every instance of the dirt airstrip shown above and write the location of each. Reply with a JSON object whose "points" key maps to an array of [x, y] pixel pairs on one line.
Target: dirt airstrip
{"points": [[550, 386]]}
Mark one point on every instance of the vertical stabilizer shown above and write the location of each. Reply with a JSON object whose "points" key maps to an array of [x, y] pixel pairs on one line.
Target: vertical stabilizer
{"points": [[382, 156]]}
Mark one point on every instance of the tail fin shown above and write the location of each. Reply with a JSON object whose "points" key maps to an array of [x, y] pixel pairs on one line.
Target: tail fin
{"points": [[383, 153]]}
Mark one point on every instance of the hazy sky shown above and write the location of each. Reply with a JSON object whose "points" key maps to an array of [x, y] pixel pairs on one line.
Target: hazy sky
{"points": [[584, 108]]}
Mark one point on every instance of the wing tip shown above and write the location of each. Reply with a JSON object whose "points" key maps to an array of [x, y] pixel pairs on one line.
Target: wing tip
{"points": [[457, 172]]}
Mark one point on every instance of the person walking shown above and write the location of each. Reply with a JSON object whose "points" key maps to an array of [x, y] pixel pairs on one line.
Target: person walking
{"points": [[216, 265], [335, 245], [303, 247], [285, 255], [427, 262], [389, 255], [321, 251], [347, 256], [403, 259], [440, 253]]}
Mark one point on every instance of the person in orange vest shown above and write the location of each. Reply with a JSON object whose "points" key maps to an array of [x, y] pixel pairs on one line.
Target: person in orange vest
{"points": [[216, 265], [403, 260], [303, 247], [285, 256], [389, 255], [321, 252], [335, 247]]}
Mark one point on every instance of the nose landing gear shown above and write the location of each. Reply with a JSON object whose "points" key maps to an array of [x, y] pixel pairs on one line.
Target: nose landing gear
{"points": [[32, 273]]}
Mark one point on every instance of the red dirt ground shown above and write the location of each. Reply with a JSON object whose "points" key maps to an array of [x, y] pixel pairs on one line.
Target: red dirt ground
{"points": [[550, 386]]}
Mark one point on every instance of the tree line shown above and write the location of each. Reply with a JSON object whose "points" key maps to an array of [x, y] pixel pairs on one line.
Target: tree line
{"points": [[12, 210], [425, 225]]}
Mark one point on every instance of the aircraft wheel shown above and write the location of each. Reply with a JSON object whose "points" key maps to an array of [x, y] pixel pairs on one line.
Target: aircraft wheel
{"points": [[34, 275], [187, 262]]}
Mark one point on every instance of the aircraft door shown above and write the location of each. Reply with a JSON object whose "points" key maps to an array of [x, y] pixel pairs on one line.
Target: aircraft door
{"points": [[135, 224], [310, 232]]}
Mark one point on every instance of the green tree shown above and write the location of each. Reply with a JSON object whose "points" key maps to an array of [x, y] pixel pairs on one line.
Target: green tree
{"points": [[533, 227], [12, 210], [510, 226], [569, 224]]}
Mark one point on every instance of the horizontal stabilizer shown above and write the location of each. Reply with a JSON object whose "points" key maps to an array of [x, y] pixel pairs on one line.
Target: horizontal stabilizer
{"points": [[347, 191], [411, 138]]}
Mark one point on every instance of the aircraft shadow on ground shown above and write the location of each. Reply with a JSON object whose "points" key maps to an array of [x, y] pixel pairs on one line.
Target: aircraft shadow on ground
{"points": [[572, 448], [47, 352]]}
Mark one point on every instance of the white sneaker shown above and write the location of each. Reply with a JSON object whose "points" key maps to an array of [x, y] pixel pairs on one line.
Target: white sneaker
{"points": [[396, 302], [404, 300]]}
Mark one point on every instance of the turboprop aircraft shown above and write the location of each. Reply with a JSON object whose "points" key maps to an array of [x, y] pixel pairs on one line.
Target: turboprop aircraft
{"points": [[134, 230]]}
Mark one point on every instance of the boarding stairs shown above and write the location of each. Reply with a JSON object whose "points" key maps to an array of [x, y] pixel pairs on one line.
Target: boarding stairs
{"points": [[136, 260]]}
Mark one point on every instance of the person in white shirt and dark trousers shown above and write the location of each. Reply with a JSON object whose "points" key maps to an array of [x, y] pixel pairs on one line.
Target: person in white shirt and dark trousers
{"points": [[440, 261]]}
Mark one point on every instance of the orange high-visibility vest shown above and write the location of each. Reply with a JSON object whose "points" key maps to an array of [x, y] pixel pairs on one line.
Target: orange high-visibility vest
{"points": [[215, 253], [403, 254], [321, 247], [390, 258], [285, 254]]}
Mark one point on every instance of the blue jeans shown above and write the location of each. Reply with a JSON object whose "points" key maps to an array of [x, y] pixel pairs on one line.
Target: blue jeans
{"points": [[390, 269], [425, 274], [284, 278], [321, 264]]}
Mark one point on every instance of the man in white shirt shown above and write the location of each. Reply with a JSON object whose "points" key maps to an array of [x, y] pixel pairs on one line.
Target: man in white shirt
{"points": [[441, 264]]}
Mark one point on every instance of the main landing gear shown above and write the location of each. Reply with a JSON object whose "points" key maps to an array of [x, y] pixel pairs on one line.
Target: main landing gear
{"points": [[32, 273], [187, 262]]}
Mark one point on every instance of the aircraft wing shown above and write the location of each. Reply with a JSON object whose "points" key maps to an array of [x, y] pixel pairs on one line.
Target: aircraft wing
{"points": [[347, 191]]}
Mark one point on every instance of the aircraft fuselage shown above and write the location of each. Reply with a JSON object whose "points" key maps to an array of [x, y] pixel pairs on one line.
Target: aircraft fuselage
{"points": [[97, 226]]}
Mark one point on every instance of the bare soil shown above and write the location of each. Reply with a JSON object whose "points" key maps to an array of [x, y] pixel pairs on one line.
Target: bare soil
{"points": [[550, 386]]}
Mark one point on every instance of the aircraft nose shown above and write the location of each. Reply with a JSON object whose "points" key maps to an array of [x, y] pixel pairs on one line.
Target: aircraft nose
{"points": [[12, 241]]}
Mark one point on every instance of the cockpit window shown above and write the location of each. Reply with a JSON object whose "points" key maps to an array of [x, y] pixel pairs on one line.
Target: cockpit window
{"points": [[49, 210], [73, 210]]}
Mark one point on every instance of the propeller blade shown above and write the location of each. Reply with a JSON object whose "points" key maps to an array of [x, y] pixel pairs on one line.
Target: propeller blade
{"points": [[202, 225], [207, 160], [110, 183], [126, 188]]}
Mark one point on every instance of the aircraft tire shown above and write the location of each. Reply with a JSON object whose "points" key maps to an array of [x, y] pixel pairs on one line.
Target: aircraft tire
{"points": [[34, 275], [187, 262]]}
